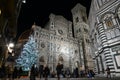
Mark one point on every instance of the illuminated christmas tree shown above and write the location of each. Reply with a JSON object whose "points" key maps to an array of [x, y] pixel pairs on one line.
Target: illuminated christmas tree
{"points": [[28, 55]]}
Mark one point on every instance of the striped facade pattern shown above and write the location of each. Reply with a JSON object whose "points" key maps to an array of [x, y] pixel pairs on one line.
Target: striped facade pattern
{"points": [[108, 37]]}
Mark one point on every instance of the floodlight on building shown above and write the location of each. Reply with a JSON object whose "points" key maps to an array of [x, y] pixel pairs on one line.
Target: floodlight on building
{"points": [[64, 50]]}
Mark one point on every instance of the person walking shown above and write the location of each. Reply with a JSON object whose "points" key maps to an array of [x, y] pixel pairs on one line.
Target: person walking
{"points": [[36, 70], [76, 73], [2, 71], [67, 73], [53, 74], [58, 69], [9, 72], [20, 71], [46, 72], [32, 73], [108, 72], [41, 70], [15, 73]]}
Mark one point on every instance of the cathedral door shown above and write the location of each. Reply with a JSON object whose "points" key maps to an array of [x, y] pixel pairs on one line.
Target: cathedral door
{"points": [[60, 60], [41, 60]]}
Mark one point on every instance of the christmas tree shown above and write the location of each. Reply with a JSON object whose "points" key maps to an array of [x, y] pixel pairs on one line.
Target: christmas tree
{"points": [[28, 55]]}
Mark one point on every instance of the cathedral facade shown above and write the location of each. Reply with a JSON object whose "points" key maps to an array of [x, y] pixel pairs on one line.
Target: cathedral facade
{"points": [[65, 42], [104, 22]]}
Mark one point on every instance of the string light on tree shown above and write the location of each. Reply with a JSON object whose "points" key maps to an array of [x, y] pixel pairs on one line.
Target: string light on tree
{"points": [[28, 56]]}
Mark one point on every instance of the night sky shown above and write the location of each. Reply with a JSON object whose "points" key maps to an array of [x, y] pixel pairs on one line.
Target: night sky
{"points": [[38, 11]]}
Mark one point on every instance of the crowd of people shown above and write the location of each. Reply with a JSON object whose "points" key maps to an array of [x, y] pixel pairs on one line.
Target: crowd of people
{"points": [[8, 72], [44, 72]]}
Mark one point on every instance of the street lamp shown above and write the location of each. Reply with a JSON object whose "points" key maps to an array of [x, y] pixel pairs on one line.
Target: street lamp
{"points": [[24, 1], [10, 47], [0, 12]]}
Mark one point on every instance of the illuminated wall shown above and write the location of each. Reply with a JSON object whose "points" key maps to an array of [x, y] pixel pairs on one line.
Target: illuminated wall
{"points": [[105, 35], [56, 45]]}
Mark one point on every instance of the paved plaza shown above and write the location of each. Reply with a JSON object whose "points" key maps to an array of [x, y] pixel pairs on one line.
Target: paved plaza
{"points": [[72, 79], [81, 79]]}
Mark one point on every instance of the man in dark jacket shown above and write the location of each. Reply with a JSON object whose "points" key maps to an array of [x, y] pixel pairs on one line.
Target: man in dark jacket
{"points": [[41, 70], [46, 72], [32, 73], [59, 70], [108, 72]]}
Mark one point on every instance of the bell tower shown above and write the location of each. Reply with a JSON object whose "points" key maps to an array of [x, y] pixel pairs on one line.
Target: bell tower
{"points": [[81, 32], [79, 17]]}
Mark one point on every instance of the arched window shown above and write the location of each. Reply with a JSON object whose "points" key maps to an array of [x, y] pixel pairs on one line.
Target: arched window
{"points": [[41, 59], [84, 19], [108, 21], [60, 59], [110, 25], [77, 19]]}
